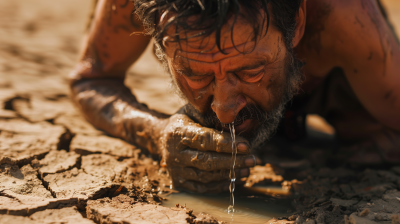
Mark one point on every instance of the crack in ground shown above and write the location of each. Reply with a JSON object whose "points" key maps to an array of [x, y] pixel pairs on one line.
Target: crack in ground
{"points": [[65, 140]]}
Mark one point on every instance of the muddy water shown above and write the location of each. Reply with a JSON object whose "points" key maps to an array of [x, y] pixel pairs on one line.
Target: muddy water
{"points": [[251, 205]]}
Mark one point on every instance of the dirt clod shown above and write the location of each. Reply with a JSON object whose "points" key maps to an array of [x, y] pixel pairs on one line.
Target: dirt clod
{"points": [[364, 212], [58, 161]]}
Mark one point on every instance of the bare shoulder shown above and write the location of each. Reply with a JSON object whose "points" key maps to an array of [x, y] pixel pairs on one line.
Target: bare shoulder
{"points": [[355, 36], [317, 9], [334, 27]]}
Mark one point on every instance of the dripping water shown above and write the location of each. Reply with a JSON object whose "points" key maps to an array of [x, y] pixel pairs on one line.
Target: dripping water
{"points": [[232, 176]]}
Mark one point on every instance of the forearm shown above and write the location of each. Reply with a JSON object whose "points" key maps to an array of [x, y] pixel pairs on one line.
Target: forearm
{"points": [[110, 106]]}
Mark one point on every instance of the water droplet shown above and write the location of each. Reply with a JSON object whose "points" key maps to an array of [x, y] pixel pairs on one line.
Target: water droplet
{"points": [[232, 171]]}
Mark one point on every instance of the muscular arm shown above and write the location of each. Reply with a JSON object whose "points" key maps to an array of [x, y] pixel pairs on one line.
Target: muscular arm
{"points": [[359, 40], [97, 83]]}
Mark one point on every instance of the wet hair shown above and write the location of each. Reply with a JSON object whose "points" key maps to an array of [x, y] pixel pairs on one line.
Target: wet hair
{"points": [[213, 14]]}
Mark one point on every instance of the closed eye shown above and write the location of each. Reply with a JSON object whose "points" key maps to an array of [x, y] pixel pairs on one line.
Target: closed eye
{"points": [[251, 77], [198, 83]]}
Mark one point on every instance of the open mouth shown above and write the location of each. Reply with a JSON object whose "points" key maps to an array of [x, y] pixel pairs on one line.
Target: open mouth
{"points": [[244, 126], [248, 119]]}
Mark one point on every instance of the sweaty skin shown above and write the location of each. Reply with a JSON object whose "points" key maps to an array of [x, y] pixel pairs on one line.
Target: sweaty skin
{"points": [[354, 35], [198, 157]]}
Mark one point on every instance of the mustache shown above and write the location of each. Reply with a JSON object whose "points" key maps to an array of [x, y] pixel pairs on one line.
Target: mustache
{"points": [[250, 111]]}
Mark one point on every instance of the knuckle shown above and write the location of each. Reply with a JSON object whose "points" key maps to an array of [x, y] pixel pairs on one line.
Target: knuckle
{"points": [[222, 145], [203, 161]]}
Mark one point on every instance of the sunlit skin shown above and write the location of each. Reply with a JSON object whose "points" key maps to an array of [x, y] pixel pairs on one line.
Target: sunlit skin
{"points": [[226, 83], [356, 38], [352, 35]]}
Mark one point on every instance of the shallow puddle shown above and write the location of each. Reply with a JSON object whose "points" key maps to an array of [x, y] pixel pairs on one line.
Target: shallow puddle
{"points": [[251, 205]]}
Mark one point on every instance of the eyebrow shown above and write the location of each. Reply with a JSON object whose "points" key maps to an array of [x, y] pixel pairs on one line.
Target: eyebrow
{"points": [[256, 64], [188, 72]]}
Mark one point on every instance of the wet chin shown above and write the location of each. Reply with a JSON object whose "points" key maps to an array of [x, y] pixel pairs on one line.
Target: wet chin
{"points": [[256, 134]]}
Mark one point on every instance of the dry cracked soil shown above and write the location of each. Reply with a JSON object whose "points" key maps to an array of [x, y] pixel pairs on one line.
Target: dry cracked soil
{"points": [[56, 168]]}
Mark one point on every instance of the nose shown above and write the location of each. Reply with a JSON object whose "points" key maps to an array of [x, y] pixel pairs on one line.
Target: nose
{"points": [[228, 100]]}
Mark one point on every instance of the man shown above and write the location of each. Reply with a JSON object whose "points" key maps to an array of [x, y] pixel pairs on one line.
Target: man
{"points": [[239, 63]]}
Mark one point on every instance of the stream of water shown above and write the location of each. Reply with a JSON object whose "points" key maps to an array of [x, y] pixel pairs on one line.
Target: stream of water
{"points": [[231, 207], [257, 204]]}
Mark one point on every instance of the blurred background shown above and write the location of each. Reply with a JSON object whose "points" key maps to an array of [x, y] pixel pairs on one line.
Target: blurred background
{"points": [[40, 41]]}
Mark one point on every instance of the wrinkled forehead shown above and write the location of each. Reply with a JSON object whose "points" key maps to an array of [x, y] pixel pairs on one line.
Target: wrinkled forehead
{"points": [[235, 34]]}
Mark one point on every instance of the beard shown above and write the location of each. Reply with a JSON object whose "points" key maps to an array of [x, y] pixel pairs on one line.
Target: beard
{"points": [[268, 121]]}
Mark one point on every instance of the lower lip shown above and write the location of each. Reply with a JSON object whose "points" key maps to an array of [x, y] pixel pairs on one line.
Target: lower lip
{"points": [[242, 127]]}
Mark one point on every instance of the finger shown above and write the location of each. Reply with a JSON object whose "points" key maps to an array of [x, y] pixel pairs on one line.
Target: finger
{"points": [[194, 174], [209, 161], [213, 187], [207, 139]]}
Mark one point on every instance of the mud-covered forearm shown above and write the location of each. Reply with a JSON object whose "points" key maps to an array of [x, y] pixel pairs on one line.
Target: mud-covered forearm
{"points": [[110, 106]]}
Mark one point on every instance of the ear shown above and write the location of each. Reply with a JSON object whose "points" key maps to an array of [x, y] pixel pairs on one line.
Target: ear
{"points": [[300, 23]]}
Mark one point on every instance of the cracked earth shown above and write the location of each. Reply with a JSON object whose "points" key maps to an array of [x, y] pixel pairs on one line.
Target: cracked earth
{"points": [[56, 168]]}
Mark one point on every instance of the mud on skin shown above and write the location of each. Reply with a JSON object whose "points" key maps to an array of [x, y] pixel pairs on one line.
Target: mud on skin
{"points": [[26, 148]]}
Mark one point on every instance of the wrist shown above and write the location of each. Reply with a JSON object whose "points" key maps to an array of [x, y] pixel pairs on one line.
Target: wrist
{"points": [[144, 129]]}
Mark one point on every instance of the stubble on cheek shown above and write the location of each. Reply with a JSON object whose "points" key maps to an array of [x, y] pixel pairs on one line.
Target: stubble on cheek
{"points": [[275, 88]]}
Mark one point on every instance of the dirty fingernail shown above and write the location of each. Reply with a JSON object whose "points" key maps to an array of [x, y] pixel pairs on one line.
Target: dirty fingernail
{"points": [[250, 161], [242, 147]]}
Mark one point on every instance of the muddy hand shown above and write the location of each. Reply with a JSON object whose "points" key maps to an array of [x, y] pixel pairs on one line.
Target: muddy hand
{"points": [[199, 158]]}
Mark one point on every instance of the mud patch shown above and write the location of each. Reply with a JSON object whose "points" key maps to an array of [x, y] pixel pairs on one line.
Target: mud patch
{"points": [[266, 175]]}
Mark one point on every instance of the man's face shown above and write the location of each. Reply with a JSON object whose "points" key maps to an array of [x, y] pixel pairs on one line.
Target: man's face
{"points": [[244, 88]]}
